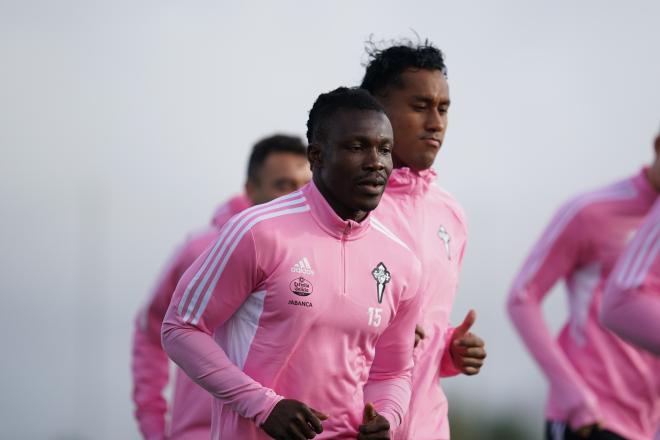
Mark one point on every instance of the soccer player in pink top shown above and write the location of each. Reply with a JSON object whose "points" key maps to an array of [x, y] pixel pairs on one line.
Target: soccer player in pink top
{"points": [[305, 309], [631, 301], [410, 81], [278, 165], [600, 386]]}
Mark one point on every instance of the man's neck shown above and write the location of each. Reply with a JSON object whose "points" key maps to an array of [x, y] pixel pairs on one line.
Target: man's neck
{"points": [[341, 210]]}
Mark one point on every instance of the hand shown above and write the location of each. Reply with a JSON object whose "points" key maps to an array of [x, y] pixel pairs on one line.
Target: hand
{"points": [[586, 431], [374, 426], [467, 350], [293, 420], [419, 334]]}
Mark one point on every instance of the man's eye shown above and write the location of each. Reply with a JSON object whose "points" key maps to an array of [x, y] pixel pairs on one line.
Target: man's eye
{"points": [[386, 149], [419, 107]]}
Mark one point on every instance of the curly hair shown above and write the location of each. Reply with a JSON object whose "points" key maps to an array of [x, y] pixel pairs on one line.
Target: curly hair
{"points": [[341, 98], [386, 65], [277, 143]]}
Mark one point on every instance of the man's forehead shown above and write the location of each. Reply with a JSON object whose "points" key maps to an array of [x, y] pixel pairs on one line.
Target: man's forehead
{"points": [[424, 81], [353, 122]]}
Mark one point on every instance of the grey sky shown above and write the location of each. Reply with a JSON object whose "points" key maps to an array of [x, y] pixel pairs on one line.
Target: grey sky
{"points": [[122, 124]]}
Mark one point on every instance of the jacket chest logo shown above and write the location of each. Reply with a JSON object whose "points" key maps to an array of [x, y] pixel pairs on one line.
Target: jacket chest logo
{"points": [[446, 239], [382, 277]]}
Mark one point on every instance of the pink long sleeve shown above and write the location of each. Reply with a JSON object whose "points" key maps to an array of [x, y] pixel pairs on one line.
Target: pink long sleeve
{"points": [[150, 365], [187, 336], [389, 386], [555, 256], [631, 301]]}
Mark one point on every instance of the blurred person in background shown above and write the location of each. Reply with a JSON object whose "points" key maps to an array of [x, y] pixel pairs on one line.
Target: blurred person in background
{"points": [[410, 81], [304, 306], [277, 166], [601, 387], [631, 301]]}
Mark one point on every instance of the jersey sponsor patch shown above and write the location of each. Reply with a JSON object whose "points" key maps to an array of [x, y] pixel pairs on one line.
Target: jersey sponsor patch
{"points": [[301, 287], [382, 277], [295, 302]]}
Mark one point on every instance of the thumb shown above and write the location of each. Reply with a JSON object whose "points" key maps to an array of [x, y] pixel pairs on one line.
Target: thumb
{"points": [[369, 413], [319, 414], [462, 329]]}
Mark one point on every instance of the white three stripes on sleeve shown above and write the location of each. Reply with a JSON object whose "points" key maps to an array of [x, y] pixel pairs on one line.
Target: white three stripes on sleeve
{"points": [[639, 257], [229, 232]]}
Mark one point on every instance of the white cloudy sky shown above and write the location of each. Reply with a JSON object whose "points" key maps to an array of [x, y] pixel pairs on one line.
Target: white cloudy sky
{"points": [[123, 123]]}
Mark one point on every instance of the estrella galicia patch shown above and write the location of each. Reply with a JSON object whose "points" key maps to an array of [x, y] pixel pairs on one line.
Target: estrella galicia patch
{"points": [[301, 287]]}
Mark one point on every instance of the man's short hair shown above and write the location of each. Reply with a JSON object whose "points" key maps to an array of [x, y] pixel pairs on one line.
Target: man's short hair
{"points": [[386, 65], [278, 143], [329, 103]]}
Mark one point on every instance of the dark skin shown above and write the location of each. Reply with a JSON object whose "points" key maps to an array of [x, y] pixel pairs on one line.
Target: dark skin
{"points": [[351, 162], [418, 109]]}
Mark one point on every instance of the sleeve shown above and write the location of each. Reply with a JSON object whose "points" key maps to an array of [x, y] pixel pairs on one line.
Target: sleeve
{"points": [[149, 363], [557, 254], [447, 366], [209, 293], [389, 386], [631, 301]]}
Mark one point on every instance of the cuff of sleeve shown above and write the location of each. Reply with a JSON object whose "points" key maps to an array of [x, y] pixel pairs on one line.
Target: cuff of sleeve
{"points": [[153, 427], [587, 415], [447, 366], [273, 399]]}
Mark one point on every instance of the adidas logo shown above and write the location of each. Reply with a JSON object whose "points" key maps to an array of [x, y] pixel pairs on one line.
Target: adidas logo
{"points": [[302, 266]]}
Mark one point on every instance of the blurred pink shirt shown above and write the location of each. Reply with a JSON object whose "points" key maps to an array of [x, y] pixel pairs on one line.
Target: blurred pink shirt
{"points": [[432, 223], [631, 302], [294, 302], [190, 412], [593, 375]]}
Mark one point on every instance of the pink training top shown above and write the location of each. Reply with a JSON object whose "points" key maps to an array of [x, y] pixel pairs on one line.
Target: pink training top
{"points": [[631, 302], [593, 375], [432, 223], [294, 302], [191, 405]]}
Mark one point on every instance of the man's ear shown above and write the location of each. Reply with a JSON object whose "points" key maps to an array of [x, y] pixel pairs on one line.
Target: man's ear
{"points": [[250, 189], [657, 146], [315, 155]]}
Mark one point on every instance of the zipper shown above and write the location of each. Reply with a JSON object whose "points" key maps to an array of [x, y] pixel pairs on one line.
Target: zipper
{"points": [[347, 231]]}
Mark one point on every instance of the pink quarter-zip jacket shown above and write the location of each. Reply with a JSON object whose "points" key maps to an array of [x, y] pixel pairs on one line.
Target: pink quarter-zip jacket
{"points": [[432, 223], [190, 410], [631, 302], [294, 302], [594, 376]]}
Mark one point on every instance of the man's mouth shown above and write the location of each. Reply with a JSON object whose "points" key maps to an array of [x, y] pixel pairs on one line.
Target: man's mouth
{"points": [[372, 184], [432, 142]]}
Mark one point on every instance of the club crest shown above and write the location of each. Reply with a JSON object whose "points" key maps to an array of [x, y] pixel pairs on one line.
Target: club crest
{"points": [[382, 277], [446, 238]]}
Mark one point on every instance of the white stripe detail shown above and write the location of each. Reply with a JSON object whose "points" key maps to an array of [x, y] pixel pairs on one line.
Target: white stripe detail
{"points": [[209, 290], [647, 248], [236, 335], [304, 260], [561, 221], [581, 284], [212, 256], [381, 228]]}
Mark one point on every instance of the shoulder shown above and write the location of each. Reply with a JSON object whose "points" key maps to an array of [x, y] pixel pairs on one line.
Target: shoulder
{"points": [[592, 205], [445, 200], [391, 243], [263, 220]]}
